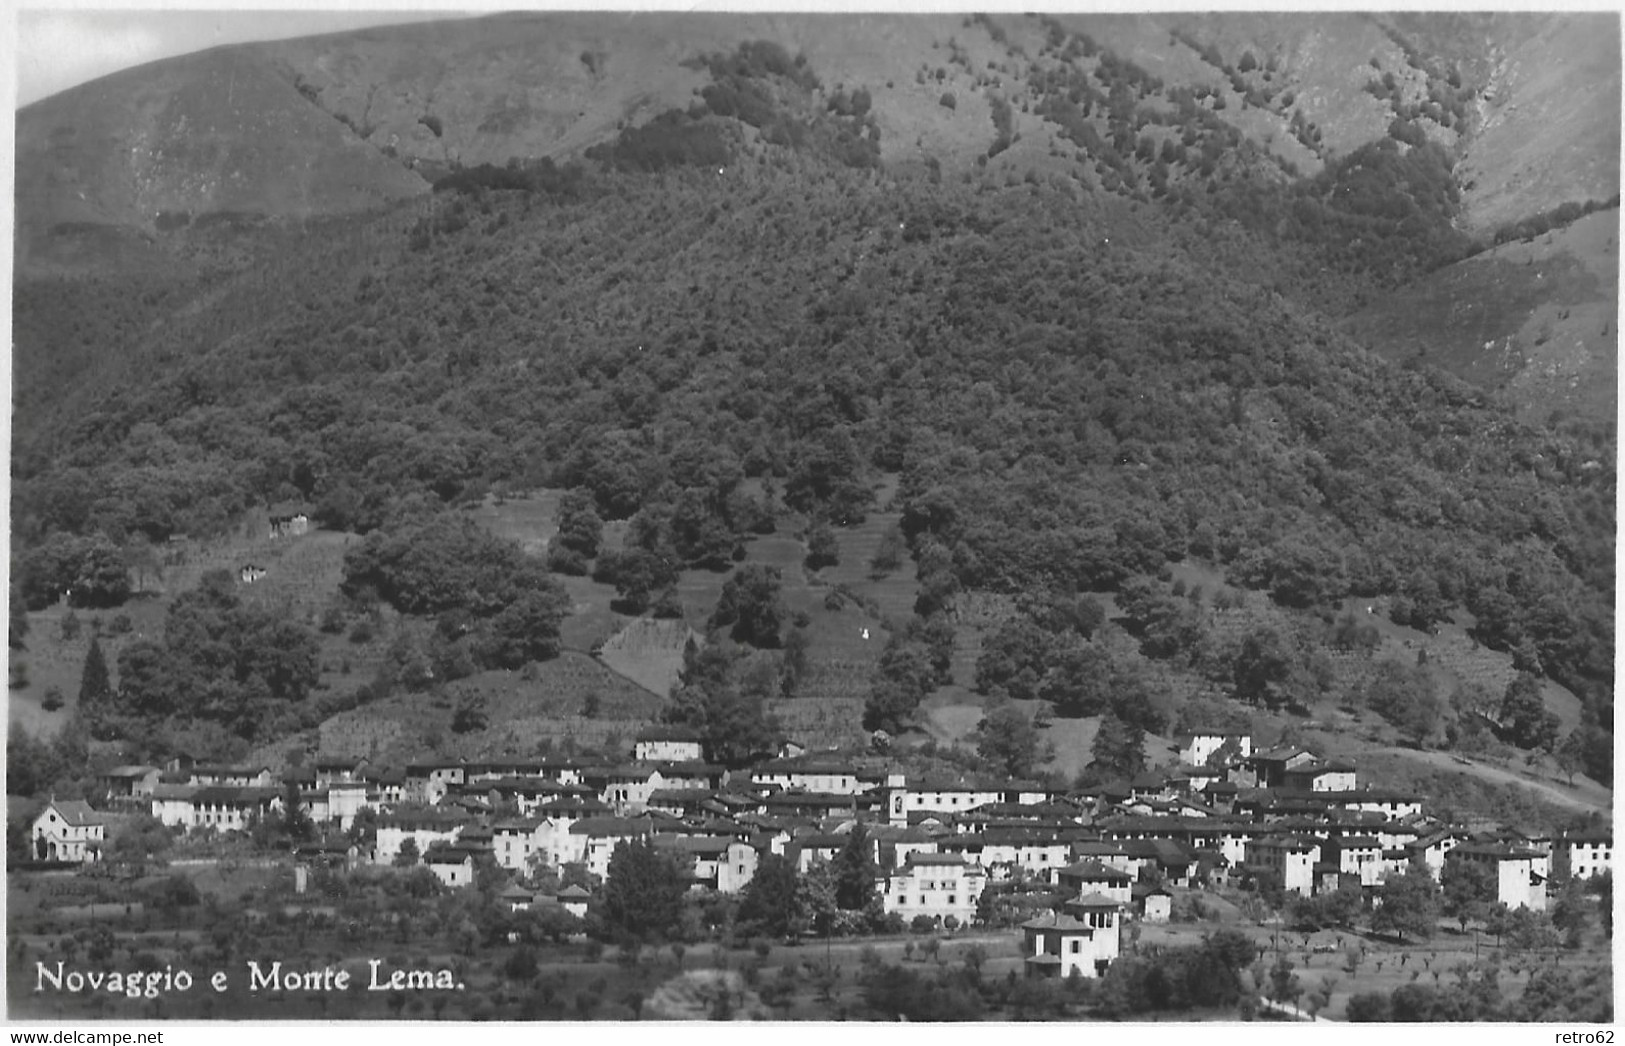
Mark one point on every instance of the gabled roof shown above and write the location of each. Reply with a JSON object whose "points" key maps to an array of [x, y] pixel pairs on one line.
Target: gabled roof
{"points": [[75, 812], [1058, 921], [1093, 871], [574, 892], [129, 771], [446, 854], [1093, 900], [612, 826], [1323, 766], [1280, 754]]}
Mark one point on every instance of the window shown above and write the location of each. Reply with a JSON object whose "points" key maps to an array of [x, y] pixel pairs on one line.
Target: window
{"points": [[1077, 946], [952, 899]]}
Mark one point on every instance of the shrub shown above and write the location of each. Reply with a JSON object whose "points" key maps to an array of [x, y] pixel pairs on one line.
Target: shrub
{"points": [[948, 101]]}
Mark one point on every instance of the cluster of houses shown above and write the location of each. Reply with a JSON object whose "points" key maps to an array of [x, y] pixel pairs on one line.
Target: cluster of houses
{"points": [[1226, 814]]}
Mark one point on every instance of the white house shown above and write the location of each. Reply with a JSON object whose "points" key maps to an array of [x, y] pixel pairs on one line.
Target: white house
{"points": [[938, 885], [1061, 945], [1291, 857], [574, 900], [514, 841], [1198, 747], [597, 838], [674, 743], [425, 827], [1584, 853], [68, 830], [1089, 877], [172, 804], [1360, 856], [1520, 872], [809, 774], [943, 795], [1433, 848], [452, 865], [1330, 775], [736, 871], [229, 808]]}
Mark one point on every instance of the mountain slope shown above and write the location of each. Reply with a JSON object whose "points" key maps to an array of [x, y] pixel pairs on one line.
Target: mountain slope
{"points": [[214, 134], [1534, 318], [1086, 314]]}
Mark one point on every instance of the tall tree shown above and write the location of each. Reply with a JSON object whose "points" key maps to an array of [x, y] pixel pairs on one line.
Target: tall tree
{"points": [[822, 548], [855, 870], [1467, 891], [1524, 716], [1410, 904], [1007, 738], [768, 903], [580, 528], [1118, 750], [751, 606], [18, 632], [642, 898], [95, 689]]}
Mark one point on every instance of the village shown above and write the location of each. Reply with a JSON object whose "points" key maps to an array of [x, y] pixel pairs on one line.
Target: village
{"points": [[944, 851]]}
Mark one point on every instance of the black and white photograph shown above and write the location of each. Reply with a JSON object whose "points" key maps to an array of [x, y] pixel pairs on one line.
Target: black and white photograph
{"points": [[807, 516]]}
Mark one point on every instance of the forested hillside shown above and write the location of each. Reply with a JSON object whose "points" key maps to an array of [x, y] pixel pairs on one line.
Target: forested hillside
{"points": [[1079, 381]]}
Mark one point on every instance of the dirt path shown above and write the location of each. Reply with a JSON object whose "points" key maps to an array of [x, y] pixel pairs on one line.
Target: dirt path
{"points": [[1587, 799]]}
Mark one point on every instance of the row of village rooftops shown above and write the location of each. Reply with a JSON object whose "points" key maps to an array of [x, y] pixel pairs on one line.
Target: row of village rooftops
{"points": [[1216, 766], [1105, 862], [1305, 831]]}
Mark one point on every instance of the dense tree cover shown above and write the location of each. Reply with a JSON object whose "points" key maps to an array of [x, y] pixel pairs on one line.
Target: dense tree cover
{"points": [[723, 698], [1406, 696], [1074, 392], [1183, 978], [1552, 993], [750, 605], [91, 571], [914, 662], [220, 661], [493, 601], [35, 766], [1339, 908], [1524, 718]]}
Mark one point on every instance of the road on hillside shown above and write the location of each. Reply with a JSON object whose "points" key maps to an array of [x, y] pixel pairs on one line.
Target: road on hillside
{"points": [[1593, 798]]}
